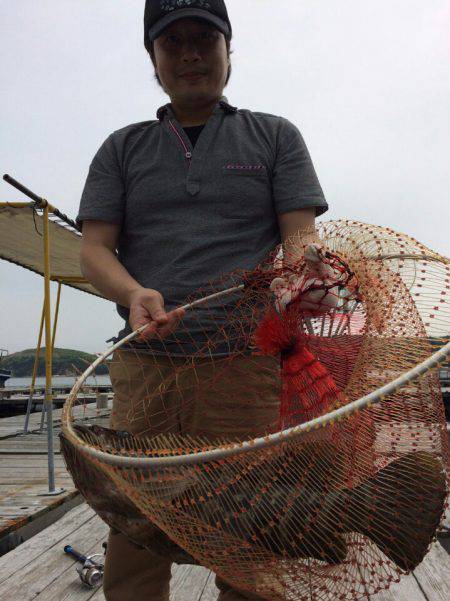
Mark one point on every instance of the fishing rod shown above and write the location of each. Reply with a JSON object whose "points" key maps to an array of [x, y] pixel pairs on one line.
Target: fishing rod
{"points": [[90, 569], [41, 203]]}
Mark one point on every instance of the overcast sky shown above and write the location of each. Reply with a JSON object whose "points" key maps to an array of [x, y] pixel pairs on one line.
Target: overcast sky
{"points": [[367, 82]]}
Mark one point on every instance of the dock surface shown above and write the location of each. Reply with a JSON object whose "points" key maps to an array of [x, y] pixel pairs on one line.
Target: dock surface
{"points": [[24, 474], [13, 398], [39, 569]]}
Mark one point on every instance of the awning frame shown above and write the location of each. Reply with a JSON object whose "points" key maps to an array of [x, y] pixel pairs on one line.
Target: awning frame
{"points": [[47, 329]]}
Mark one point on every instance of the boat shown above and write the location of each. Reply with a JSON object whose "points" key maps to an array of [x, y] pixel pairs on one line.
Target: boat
{"points": [[4, 373]]}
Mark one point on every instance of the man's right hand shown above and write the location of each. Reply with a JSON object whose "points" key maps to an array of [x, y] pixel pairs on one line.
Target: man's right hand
{"points": [[147, 307]]}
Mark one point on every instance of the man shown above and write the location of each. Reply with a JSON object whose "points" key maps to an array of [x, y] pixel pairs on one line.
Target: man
{"points": [[172, 203]]}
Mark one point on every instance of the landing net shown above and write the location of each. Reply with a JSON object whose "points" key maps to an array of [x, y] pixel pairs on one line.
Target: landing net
{"points": [[268, 443]]}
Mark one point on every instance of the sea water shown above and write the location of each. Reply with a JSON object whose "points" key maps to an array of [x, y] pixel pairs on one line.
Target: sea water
{"points": [[56, 381]]}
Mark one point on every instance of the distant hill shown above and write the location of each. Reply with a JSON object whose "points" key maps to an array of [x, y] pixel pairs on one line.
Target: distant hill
{"points": [[66, 362], [69, 362]]}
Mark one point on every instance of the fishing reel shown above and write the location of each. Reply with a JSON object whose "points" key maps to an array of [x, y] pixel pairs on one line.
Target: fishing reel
{"points": [[91, 567]]}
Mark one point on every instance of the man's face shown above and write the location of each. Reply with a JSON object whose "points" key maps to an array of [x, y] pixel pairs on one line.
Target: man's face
{"points": [[191, 60]]}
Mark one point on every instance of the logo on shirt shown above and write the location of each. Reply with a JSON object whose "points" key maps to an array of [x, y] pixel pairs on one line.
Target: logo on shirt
{"points": [[169, 5], [245, 168]]}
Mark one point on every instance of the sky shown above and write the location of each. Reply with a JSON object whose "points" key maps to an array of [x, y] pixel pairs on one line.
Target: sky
{"points": [[365, 81]]}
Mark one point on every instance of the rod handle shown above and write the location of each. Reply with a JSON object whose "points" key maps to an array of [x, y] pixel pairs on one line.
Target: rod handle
{"points": [[78, 556]]}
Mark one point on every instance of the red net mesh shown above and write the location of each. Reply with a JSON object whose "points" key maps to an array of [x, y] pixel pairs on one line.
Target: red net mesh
{"points": [[334, 511]]}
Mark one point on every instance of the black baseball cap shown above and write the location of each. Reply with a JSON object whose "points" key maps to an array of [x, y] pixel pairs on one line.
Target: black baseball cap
{"points": [[159, 14]]}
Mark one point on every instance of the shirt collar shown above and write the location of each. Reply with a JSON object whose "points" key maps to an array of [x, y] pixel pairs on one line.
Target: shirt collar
{"points": [[222, 105]]}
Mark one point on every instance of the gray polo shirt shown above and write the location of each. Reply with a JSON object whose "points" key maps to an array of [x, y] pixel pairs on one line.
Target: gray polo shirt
{"points": [[188, 215]]}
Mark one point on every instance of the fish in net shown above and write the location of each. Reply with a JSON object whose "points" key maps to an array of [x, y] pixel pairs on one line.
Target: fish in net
{"points": [[297, 449]]}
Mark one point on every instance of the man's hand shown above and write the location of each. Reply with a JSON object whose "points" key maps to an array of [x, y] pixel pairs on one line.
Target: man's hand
{"points": [[147, 307]]}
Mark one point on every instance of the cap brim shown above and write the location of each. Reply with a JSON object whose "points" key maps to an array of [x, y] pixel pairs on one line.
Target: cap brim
{"points": [[185, 13]]}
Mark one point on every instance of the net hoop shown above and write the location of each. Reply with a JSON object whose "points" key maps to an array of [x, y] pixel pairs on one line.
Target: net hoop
{"points": [[232, 449], [295, 452]]}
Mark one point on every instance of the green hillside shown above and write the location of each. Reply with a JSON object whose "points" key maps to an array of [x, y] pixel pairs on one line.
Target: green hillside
{"points": [[69, 362], [66, 362]]}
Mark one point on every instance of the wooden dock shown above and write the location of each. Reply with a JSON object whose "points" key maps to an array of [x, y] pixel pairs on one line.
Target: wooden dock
{"points": [[18, 398], [40, 569], [39, 389], [24, 506]]}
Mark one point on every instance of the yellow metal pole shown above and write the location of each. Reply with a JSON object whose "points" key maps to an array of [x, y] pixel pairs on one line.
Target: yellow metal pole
{"points": [[55, 320], [35, 368], [48, 354]]}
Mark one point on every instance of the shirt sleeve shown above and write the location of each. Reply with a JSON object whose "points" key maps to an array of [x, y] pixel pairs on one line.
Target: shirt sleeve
{"points": [[103, 197], [295, 183]]}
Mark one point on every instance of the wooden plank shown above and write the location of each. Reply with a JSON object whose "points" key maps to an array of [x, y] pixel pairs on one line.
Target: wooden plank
{"points": [[28, 441], [34, 480], [98, 595], [39, 482], [19, 446], [25, 496], [178, 575], [29, 582], [33, 549], [190, 584], [39, 462], [7, 511], [406, 590], [10, 426], [27, 461], [18, 508], [433, 574], [31, 474], [13, 461], [10, 523], [210, 591], [26, 457]]}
